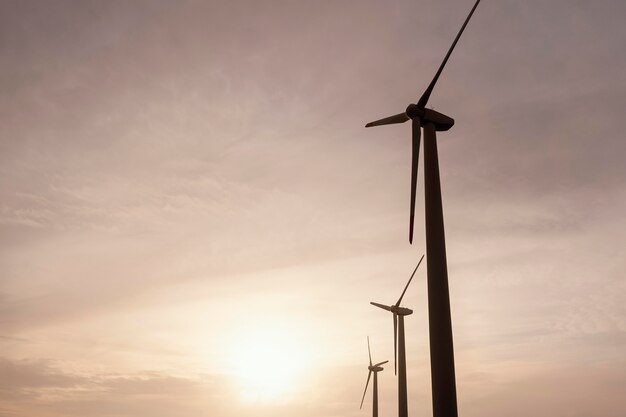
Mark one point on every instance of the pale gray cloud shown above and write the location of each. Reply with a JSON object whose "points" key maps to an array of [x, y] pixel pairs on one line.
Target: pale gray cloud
{"points": [[44, 388]]}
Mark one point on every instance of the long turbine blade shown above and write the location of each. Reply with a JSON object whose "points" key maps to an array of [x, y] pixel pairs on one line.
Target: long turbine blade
{"points": [[415, 152], [410, 279], [366, 384], [384, 307], [395, 343], [381, 363], [369, 352], [424, 99], [398, 118]]}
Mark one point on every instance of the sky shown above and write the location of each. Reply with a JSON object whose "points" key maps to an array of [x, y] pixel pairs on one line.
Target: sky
{"points": [[193, 218]]}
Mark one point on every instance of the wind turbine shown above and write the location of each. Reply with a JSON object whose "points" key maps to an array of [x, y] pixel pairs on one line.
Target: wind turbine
{"points": [[375, 369], [399, 351], [441, 348]]}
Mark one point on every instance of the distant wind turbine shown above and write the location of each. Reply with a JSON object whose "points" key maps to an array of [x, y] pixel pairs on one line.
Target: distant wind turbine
{"points": [[399, 351], [375, 369], [440, 325]]}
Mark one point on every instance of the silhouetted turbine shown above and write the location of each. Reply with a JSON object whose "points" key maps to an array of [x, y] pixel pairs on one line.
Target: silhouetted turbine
{"points": [[399, 351], [441, 347], [375, 369]]}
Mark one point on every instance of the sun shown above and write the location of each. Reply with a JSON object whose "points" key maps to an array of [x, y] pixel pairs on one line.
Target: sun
{"points": [[268, 361]]}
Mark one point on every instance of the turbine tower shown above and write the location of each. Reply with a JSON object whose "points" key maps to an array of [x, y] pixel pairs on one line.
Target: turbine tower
{"points": [[375, 369], [399, 350], [441, 348]]}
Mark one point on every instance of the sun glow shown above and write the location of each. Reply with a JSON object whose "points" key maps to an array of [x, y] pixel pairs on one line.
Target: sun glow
{"points": [[268, 361]]}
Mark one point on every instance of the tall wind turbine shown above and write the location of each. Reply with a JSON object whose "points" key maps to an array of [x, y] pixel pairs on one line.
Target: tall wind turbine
{"points": [[399, 351], [375, 369], [441, 348]]}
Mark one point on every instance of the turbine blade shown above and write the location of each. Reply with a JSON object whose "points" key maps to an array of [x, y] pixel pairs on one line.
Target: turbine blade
{"points": [[410, 279], [369, 352], [366, 384], [398, 118], [381, 363], [424, 98], [395, 343], [384, 307], [415, 152]]}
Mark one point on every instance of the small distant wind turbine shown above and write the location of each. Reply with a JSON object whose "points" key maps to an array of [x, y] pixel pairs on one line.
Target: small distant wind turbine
{"points": [[399, 351], [375, 369], [440, 323]]}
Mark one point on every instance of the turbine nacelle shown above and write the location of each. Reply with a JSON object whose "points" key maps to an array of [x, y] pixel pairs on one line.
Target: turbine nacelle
{"points": [[395, 309], [401, 311], [377, 367], [440, 120]]}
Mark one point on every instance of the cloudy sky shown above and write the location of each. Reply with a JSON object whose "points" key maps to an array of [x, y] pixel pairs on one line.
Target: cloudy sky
{"points": [[193, 219]]}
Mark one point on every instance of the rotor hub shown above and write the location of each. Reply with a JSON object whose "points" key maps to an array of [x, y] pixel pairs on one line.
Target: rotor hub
{"points": [[413, 111]]}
